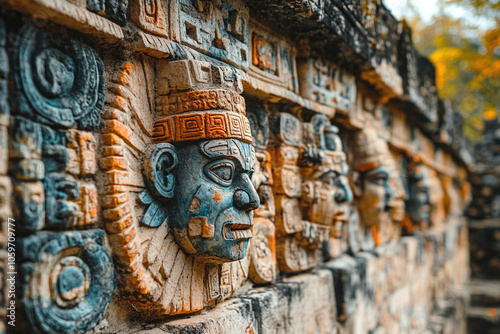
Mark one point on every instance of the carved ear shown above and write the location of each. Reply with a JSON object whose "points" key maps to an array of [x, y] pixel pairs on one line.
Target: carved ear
{"points": [[356, 186], [160, 161]]}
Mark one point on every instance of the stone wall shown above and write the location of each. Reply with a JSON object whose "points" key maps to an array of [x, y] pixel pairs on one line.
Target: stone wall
{"points": [[226, 166], [484, 233]]}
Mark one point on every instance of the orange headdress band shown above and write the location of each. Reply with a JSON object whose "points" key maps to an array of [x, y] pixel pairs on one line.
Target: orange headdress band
{"points": [[202, 125]]}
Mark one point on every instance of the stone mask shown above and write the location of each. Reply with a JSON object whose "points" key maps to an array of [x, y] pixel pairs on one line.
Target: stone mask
{"points": [[373, 192], [208, 195], [419, 202]]}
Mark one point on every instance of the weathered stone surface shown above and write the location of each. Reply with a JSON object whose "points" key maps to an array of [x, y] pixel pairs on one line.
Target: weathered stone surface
{"points": [[297, 305], [219, 145], [79, 273], [484, 238]]}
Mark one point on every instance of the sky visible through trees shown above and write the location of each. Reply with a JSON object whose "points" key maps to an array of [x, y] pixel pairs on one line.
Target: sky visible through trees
{"points": [[462, 38]]}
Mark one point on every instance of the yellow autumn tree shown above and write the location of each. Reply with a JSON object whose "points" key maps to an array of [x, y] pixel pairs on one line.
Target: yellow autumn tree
{"points": [[466, 53]]}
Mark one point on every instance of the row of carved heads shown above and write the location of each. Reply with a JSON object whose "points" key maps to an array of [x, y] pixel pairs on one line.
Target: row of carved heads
{"points": [[198, 190]]}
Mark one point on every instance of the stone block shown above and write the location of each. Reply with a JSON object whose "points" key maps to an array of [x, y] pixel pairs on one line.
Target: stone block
{"points": [[300, 304]]}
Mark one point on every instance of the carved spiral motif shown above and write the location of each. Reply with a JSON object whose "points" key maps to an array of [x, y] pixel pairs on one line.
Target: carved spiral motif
{"points": [[262, 258], [62, 80], [68, 281]]}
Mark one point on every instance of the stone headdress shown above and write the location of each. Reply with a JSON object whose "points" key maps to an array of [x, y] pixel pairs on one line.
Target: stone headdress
{"points": [[195, 100], [369, 150], [200, 114]]}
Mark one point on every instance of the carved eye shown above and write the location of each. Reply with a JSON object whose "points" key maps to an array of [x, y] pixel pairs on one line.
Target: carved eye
{"points": [[329, 178], [379, 179], [250, 175], [221, 172]]}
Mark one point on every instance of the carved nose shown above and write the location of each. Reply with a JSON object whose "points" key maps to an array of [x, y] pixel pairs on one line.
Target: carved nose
{"points": [[244, 200], [388, 196], [344, 193]]}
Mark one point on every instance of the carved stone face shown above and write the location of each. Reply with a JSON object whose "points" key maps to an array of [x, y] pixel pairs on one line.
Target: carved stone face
{"points": [[327, 198], [419, 202], [211, 210], [374, 193], [398, 200], [30, 200], [326, 193]]}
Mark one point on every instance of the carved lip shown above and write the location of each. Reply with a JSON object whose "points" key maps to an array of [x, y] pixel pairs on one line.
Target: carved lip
{"points": [[341, 216], [235, 231]]}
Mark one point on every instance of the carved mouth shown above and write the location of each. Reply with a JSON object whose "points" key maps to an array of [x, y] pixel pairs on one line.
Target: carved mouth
{"points": [[233, 231], [341, 216], [425, 209]]}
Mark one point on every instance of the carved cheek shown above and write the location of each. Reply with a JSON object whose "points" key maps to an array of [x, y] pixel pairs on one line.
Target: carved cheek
{"points": [[34, 204], [330, 207], [373, 194]]}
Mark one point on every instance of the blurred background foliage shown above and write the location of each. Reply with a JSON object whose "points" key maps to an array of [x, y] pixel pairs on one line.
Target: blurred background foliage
{"points": [[466, 53]]}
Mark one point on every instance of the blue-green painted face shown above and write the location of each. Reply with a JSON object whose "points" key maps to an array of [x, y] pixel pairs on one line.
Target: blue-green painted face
{"points": [[211, 210]]}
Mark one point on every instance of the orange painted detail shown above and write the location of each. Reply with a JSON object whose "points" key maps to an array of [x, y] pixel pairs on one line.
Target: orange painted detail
{"points": [[114, 200], [196, 226], [198, 126], [111, 139], [208, 231], [119, 225], [116, 177], [376, 235], [114, 189], [121, 103], [125, 76], [264, 54], [363, 167], [123, 237], [203, 100], [112, 151], [117, 213], [407, 225], [116, 127], [114, 163], [218, 197], [492, 312]]}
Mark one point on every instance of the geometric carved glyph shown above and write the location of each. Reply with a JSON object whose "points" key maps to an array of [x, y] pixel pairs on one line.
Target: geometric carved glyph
{"points": [[67, 280], [323, 82], [312, 192], [59, 81]]}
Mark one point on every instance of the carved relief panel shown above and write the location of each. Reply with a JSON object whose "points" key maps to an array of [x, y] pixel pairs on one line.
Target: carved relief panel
{"points": [[263, 265], [178, 194], [156, 17], [66, 278], [312, 192], [144, 186], [373, 168], [328, 84], [285, 152], [273, 58], [217, 28], [418, 203]]}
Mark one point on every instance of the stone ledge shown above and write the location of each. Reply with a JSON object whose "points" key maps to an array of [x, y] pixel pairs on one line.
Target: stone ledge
{"points": [[300, 304]]}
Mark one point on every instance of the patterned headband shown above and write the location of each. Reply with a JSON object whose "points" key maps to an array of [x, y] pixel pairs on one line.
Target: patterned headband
{"points": [[202, 125], [198, 115]]}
